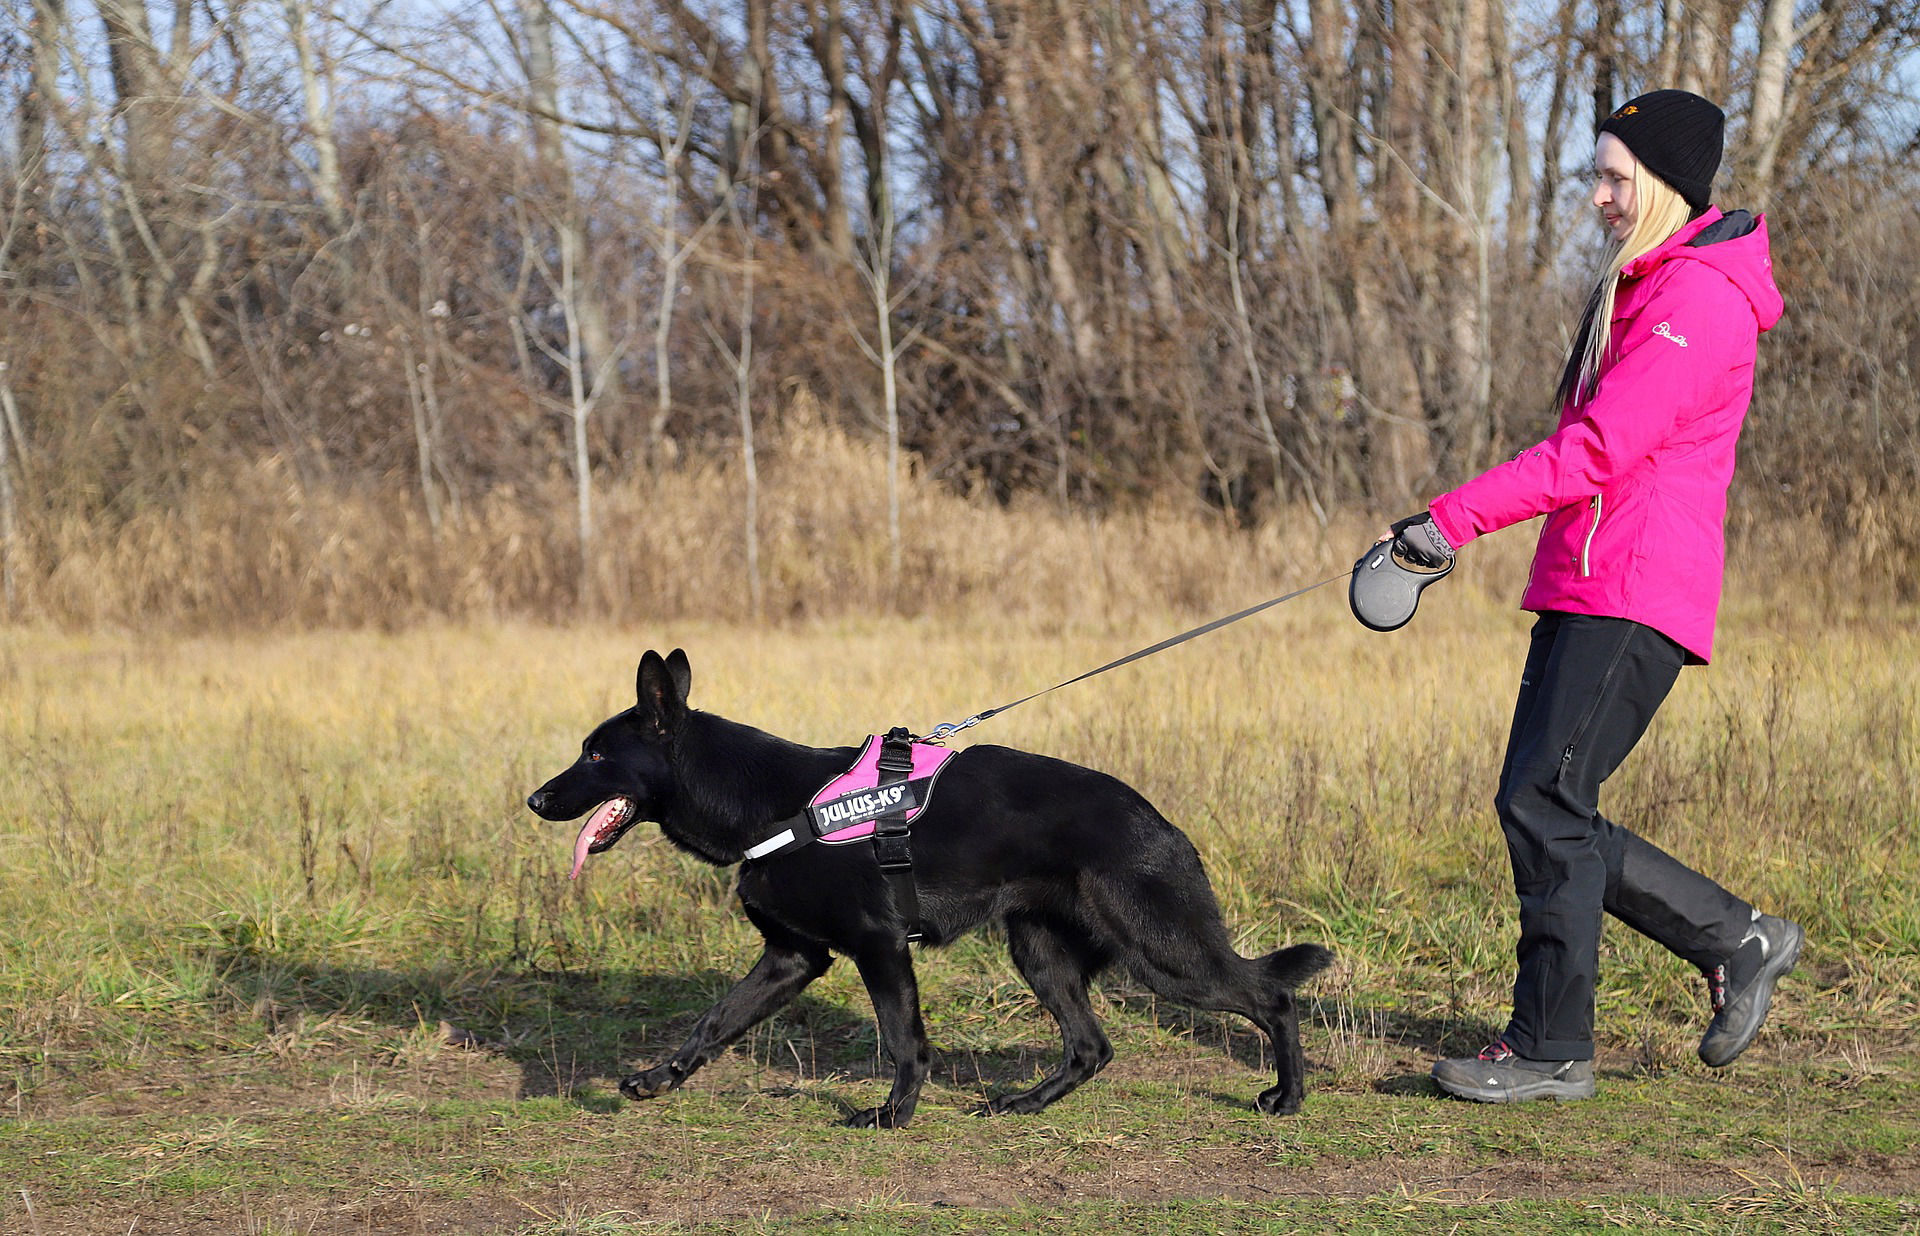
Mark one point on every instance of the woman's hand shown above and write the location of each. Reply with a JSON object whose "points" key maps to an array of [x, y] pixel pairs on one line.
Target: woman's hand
{"points": [[1421, 540]]}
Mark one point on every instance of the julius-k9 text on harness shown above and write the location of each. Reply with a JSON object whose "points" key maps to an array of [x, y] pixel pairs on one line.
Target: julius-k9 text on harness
{"points": [[875, 801]]}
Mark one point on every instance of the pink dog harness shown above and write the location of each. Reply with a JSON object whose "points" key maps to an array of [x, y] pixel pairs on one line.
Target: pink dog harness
{"points": [[875, 800]]}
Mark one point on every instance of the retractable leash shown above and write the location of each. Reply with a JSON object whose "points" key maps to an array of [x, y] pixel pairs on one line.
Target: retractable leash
{"points": [[1386, 586], [940, 733], [1383, 590]]}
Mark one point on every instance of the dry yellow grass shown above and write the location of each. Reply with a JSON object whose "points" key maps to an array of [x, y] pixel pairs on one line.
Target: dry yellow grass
{"points": [[358, 794]]}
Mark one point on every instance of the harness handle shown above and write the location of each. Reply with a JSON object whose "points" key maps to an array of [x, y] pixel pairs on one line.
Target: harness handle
{"points": [[942, 732]]}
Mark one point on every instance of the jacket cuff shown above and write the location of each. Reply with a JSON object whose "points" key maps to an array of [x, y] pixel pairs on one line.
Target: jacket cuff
{"points": [[1450, 522]]}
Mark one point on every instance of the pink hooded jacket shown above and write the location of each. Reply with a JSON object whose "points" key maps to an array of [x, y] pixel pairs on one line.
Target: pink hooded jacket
{"points": [[1634, 480]]}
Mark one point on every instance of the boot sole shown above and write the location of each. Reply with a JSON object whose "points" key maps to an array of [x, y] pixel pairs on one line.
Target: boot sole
{"points": [[1719, 1055], [1531, 1094]]}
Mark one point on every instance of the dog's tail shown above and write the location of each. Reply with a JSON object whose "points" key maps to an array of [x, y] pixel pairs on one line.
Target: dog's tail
{"points": [[1293, 966]]}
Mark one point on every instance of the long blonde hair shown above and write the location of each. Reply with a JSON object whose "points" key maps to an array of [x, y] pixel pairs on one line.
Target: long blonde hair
{"points": [[1662, 212]]}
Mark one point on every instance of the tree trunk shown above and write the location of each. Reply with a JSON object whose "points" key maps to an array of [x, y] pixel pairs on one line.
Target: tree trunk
{"points": [[1043, 176], [550, 152], [1382, 358], [1760, 143], [743, 407], [1478, 154], [9, 416], [140, 91], [319, 112], [1604, 41], [580, 403], [46, 30], [1546, 232], [423, 435], [829, 44], [1155, 205]]}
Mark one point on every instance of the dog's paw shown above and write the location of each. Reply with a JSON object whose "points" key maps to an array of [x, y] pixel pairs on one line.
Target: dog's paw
{"points": [[651, 1084], [1277, 1102], [1022, 1104], [875, 1118]]}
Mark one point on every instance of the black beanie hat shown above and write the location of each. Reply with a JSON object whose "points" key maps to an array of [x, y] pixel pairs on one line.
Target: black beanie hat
{"points": [[1677, 136]]}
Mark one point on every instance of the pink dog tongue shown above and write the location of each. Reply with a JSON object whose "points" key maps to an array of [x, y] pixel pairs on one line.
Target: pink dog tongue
{"points": [[601, 817]]}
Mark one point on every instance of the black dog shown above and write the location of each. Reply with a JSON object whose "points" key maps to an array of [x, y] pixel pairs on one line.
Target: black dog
{"points": [[1081, 871]]}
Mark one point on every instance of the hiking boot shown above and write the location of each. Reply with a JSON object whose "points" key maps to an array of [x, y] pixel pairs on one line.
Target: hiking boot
{"points": [[1496, 1075], [1741, 987]]}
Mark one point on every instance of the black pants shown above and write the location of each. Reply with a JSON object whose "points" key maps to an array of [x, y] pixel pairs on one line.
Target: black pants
{"points": [[1590, 687]]}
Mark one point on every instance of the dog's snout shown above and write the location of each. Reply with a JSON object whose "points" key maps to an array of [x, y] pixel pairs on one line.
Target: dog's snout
{"points": [[537, 802]]}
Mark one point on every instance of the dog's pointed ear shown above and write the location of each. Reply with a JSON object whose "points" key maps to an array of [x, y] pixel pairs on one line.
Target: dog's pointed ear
{"points": [[662, 695], [681, 672]]}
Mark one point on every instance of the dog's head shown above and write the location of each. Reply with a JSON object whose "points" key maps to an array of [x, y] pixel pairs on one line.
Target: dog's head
{"points": [[623, 774]]}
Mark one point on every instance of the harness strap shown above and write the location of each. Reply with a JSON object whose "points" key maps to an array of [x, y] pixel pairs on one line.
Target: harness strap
{"points": [[891, 836], [891, 833]]}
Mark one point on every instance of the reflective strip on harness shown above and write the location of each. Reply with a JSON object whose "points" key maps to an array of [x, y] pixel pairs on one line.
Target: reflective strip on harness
{"points": [[779, 841]]}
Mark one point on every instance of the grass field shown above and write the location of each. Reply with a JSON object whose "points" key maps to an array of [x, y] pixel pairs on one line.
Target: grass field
{"points": [[251, 886]]}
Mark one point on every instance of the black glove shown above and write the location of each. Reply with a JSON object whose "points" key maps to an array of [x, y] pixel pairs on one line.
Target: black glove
{"points": [[1421, 540]]}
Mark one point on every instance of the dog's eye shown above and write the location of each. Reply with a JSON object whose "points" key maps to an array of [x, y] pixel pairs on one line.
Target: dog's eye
{"points": [[593, 757]]}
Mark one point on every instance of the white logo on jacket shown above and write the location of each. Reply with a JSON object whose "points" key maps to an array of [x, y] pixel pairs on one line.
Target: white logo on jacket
{"points": [[1662, 331]]}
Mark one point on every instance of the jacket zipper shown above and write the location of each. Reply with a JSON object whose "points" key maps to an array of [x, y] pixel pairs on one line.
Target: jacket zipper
{"points": [[1586, 547]]}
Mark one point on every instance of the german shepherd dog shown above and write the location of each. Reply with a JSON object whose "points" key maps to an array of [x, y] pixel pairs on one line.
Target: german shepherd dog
{"points": [[1079, 870]]}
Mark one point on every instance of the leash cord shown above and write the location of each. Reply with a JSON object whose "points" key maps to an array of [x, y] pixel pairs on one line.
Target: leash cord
{"points": [[940, 733]]}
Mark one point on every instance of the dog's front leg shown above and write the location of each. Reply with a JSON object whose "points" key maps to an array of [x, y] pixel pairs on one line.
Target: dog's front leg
{"points": [[782, 972], [888, 973]]}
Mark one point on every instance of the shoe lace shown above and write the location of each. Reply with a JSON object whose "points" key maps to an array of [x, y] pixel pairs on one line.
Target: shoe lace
{"points": [[1496, 1051], [1716, 977]]}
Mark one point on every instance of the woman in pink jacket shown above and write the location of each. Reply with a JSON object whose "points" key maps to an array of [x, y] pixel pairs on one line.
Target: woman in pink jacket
{"points": [[1626, 582]]}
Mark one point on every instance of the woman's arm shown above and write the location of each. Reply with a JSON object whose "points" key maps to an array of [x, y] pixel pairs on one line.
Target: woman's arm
{"points": [[1694, 329]]}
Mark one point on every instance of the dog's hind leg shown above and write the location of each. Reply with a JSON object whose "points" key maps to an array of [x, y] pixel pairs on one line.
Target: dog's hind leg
{"points": [[1282, 971], [1059, 974], [1171, 936], [783, 971], [1224, 981]]}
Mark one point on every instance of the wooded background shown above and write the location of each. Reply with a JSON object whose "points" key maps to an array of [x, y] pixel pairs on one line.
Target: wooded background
{"points": [[278, 272]]}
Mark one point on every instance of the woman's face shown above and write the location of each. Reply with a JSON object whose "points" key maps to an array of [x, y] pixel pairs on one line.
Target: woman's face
{"points": [[1613, 172]]}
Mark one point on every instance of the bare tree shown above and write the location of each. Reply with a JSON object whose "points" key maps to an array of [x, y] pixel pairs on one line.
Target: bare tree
{"points": [[738, 356], [9, 548], [1760, 146], [1231, 249], [875, 265], [587, 355], [674, 254], [318, 103]]}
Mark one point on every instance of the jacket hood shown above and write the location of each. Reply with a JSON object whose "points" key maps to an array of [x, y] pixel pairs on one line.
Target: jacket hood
{"points": [[1735, 244]]}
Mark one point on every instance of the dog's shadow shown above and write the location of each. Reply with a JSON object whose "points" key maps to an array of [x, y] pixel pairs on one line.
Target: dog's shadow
{"points": [[575, 1034], [1392, 1033]]}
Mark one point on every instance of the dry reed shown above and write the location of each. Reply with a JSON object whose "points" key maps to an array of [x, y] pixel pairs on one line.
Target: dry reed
{"points": [[262, 549]]}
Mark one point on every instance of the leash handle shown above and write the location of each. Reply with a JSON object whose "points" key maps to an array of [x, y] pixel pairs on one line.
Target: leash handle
{"points": [[940, 733]]}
